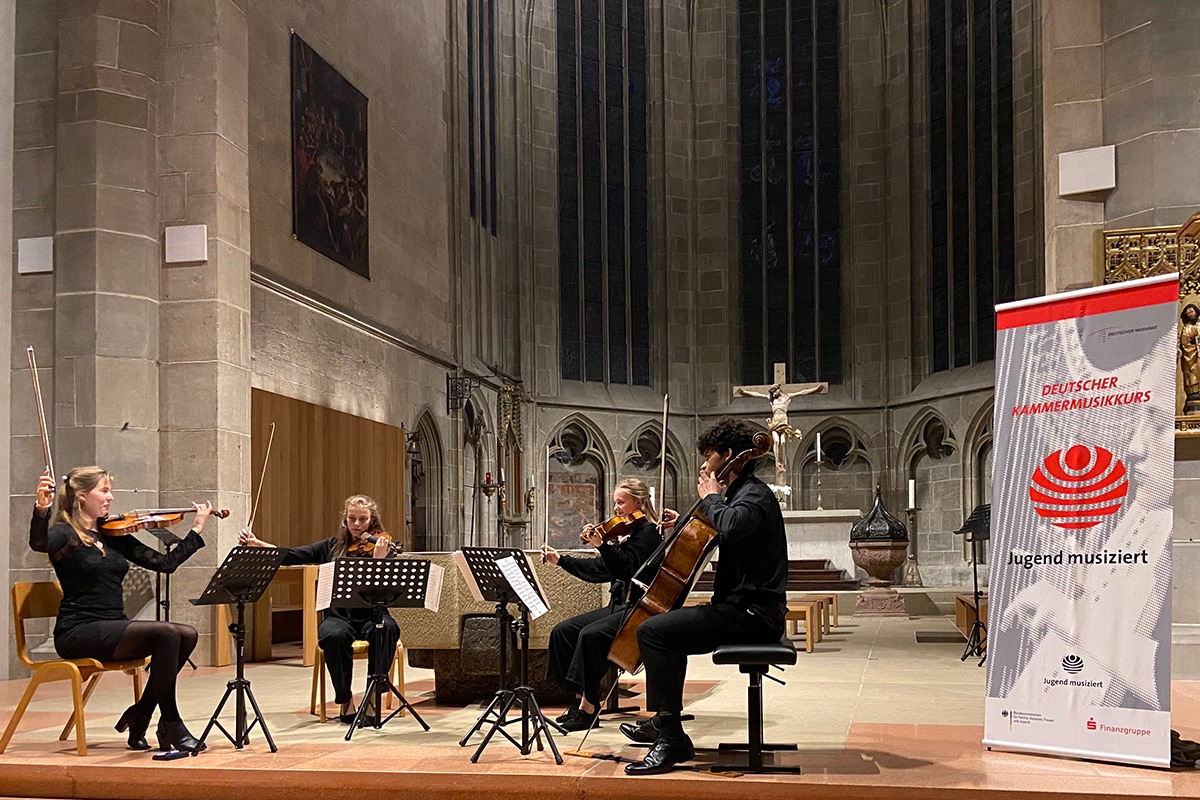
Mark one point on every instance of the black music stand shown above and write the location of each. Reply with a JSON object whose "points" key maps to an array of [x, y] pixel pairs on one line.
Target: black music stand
{"points": [[162, 582], [242, 578], [481, 568], [380, 584], [977, 528]]}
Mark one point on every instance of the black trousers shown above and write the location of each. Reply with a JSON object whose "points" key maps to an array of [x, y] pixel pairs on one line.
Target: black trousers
{"points": [[336, 636], [578, 655], [668, 639]]}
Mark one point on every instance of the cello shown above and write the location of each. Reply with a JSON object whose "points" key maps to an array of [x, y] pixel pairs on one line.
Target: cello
{"points": [[684, 553]]}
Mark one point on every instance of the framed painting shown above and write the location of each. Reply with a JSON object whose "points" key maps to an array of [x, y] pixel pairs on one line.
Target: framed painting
{"points": [[329, 161]]}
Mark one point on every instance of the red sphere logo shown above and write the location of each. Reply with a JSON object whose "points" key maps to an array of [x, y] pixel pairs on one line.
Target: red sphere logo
{"points": [[1079, 487]]}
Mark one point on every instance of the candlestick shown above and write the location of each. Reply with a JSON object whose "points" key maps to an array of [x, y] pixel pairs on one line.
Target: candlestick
{"points": [[912, 572], [819, 508]]}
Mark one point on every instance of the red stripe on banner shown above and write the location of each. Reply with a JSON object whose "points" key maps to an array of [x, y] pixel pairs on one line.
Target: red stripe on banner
{"points": [[1077, 307]]}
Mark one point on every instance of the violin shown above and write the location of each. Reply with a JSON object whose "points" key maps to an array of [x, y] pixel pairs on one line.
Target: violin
{"points": [[121, 524], [365, 544], [614, 528]]}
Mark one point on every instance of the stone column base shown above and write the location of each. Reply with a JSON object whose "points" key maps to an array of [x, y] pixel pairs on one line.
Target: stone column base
{"points": [[880, 601]]}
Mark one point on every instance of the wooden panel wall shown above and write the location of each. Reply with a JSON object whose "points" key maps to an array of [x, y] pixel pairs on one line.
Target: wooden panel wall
{"points": [[320, 457]]}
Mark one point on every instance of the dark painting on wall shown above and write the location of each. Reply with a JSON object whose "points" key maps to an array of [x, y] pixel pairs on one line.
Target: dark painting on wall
{"points": [[329, 161]]}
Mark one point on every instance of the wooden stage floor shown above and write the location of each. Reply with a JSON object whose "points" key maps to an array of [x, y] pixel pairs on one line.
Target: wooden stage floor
{"points": [[875, 715]]}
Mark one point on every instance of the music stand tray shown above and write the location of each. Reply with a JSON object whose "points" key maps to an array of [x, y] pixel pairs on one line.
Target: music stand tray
{"points": [[484, 572], [242, 578], [379, 584]]}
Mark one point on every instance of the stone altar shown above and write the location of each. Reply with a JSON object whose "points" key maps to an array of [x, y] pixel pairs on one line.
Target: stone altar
{"points": [[823, 534], [460, 645]]}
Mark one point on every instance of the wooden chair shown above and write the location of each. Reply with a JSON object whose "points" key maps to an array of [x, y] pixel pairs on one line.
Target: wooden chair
{"points": [[359, 649], [40, 600]]}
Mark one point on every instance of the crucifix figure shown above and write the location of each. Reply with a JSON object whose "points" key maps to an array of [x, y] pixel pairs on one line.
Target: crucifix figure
{"points": [[780, 395]]}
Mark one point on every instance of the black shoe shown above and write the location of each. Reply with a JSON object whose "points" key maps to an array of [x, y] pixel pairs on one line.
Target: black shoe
{"points": [[663, 757], [175, 736], [137, 723], [644, 732], [571, 709], [580, 720]]}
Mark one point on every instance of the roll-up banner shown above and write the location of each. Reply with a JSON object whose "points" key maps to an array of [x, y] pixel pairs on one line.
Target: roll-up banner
{"points": [[1079, 609]]}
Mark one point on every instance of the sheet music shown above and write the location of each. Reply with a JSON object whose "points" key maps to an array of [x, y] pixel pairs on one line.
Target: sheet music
{"points": [[433, 587], [461, 561], [528, 596], [325, 585]]}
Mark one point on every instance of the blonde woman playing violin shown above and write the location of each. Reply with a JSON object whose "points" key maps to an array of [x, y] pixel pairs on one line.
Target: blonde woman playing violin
{"points": [[91, 617], [342, 626], [578, 654]]}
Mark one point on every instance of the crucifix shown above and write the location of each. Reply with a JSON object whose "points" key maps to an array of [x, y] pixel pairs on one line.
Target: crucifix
{"points": [[780, 394]]}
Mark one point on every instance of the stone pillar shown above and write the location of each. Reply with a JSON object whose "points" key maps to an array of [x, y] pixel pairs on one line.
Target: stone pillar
{"points": [[205, 310], [7, 68], [106, 242]]}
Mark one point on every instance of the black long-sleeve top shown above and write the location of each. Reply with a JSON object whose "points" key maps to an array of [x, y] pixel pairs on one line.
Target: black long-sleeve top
{"points": [[321, 552], [753, 566], [617, 562], [90, 578]]}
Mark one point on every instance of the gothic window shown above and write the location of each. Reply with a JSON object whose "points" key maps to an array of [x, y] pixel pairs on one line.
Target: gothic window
{"points": [[973, 256], [481, 111], [790, 189], [842, 452], [577, 494], [425, 469], [642, 460], [603, 221]]}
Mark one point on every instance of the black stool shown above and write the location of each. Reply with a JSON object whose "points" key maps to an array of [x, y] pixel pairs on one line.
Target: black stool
{"points": [[754, 660]]}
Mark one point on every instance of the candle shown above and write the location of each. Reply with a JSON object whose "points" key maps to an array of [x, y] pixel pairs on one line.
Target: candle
{"points": [[819, 446], [912, 493], [487, 477], [502, 475]]}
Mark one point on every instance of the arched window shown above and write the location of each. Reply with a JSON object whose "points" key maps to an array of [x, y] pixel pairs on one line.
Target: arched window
{"points": [[577, 494], [425, 487], [481, 525], [844, 453], [641, 460]]}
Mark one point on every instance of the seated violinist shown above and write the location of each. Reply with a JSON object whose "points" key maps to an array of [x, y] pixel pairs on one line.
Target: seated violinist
{"points": [[342, 626], [749, 600], [91, 621], [578, 653]]}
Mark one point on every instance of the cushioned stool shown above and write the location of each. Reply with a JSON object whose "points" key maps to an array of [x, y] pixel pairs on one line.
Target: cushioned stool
{"points": [[754, 660]]}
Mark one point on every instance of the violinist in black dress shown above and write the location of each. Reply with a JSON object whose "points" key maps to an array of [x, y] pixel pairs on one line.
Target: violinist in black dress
{"points": [[578, 654], [91, 617], [340, 627], [749, 600]]}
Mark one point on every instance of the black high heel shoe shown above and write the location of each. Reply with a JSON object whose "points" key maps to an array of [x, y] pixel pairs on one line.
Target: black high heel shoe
{"points": [[175, 736], [137, 723]]}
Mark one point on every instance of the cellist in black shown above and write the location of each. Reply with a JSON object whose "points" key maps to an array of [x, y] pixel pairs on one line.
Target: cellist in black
{"points": [[749, 601]]}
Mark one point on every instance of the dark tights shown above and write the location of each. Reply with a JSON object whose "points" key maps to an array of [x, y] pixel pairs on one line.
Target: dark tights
{"points": [[168, 644]]}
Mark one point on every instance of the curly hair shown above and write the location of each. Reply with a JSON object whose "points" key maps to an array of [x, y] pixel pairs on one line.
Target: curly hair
{"points": [[727, 433]]}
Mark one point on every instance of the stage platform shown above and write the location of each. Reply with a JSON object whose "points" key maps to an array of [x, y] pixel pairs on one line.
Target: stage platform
{"points": [[875, 712]]}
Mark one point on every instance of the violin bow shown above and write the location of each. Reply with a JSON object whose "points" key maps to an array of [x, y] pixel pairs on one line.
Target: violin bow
{"points": [[41, 413], [662, 463], [262, 477], [546, 507]]}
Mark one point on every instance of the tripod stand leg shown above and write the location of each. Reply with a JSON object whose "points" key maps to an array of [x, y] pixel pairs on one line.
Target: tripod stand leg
{"points": [[496, 726], [540, 725], [258, 717], [498, 701], [404, 706], [216, 714]]}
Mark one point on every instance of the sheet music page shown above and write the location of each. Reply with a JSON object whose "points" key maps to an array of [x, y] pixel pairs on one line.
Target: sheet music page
{"points": [[528, 596], [433, 589], [533, 571], [465, 569], [325, 585]]}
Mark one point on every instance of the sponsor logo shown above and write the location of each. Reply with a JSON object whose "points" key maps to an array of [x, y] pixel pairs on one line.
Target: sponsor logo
{"points": [[1100, 727], [1091, 724], [1072, 664], [1078, 487]]}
